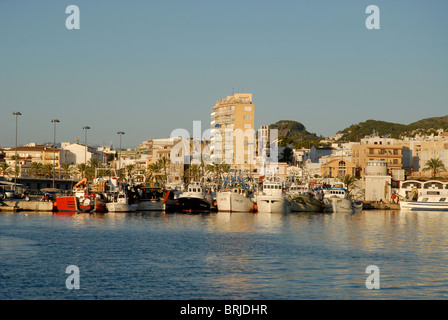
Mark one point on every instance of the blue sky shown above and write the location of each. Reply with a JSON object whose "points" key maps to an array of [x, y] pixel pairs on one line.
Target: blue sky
{"points": [[149, 67]]}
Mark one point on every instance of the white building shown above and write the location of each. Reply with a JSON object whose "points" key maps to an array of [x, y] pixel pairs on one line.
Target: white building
{"points": [[75, 153]]}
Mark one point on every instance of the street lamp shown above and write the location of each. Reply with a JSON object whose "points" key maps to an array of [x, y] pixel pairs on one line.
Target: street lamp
{"points": [[54, 147], [15, 168], [85, 153], [119, 154]]}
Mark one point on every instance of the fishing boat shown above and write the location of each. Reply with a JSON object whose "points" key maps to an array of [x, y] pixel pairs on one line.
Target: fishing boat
{"points": [[234, 195], [170, 199], [272, 198], [121, 202], [303, 203], [194, 200], [299, 190], [303, 199], [81, 200], [336, 199], [150, 197]]}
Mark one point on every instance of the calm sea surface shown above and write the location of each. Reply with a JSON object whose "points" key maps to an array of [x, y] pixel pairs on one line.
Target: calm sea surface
{"points": [[154, 255]]}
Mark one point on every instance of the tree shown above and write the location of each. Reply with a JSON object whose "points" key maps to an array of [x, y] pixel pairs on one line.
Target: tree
{"points": [[81, 168], [164, 163], [5, 168], [434, 165], [36, 168], [349, 181], [130, 169], [287, 155], [66, 168], [47, 170]]}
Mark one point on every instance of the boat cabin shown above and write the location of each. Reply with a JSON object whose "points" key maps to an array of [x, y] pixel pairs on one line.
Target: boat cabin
{"points": [[335, 192]]}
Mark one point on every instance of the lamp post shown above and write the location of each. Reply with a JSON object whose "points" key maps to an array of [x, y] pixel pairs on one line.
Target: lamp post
{"points": [[16, 113], [119, 154], [85, 153], [54, 146]]}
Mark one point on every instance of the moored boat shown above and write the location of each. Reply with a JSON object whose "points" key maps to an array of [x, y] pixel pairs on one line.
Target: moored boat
{"points": [[336, 199], [302, 203], [423, 195], [272, 198], [82, 200], [194, 200], [150, 198], [234, 195], [121, 202]]}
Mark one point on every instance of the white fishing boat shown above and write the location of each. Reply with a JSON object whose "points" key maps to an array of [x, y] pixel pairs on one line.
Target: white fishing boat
{"points": [[336, 200], [234, 195], [299, 189], [272, 198], [121, 203]]}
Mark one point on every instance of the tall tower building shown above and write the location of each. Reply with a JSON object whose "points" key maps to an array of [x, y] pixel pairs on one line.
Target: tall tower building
{"points": [[232, 131]]}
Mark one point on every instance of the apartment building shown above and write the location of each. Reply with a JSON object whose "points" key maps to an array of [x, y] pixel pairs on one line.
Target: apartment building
{"points": [[30, 153], [378, 149], [232, 131]]}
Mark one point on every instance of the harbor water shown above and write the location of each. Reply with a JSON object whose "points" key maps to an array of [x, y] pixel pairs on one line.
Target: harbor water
{"points": [[275, 256]]}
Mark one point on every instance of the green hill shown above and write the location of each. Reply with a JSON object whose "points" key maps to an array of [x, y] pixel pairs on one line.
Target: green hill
{"points": [[294, 132], [395, 130]]}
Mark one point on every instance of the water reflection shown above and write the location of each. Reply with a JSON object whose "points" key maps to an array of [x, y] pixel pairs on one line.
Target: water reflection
{"points": [[240, 255]]}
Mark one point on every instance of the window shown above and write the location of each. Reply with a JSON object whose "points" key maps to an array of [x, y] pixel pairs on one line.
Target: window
{"points": [[247, 108], [247, 117]]}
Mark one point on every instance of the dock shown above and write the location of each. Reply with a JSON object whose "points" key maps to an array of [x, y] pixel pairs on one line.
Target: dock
{"points": [[371, 205], [23, 205]]}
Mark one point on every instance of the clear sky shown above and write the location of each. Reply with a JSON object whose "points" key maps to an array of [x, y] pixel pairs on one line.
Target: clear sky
{"points": [[149, 67]]}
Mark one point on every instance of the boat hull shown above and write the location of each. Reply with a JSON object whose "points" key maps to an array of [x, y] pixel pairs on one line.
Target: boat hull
{"points": [[121, 207], [273, 204], [335, 205], [100, 205], [150, 205], [234, 202], [305, 204], [423, 206], [67, 204], [192, 205]]}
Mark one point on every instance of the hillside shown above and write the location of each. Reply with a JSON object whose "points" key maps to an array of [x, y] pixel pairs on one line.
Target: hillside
{"points": [[395, 130], [293, 132]]}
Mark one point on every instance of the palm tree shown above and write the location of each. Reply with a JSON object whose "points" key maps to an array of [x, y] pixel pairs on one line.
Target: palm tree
{"points": [[5, 168], [92, 165], [81, 168], [47, 170], [164, 164], [349, 181], [434, 165], [36, 168], [130, 169], [66, 168], [154, 172]]}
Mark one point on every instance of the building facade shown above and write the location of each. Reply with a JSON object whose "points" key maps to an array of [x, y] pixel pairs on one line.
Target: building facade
{"points": [[232, 131]]}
